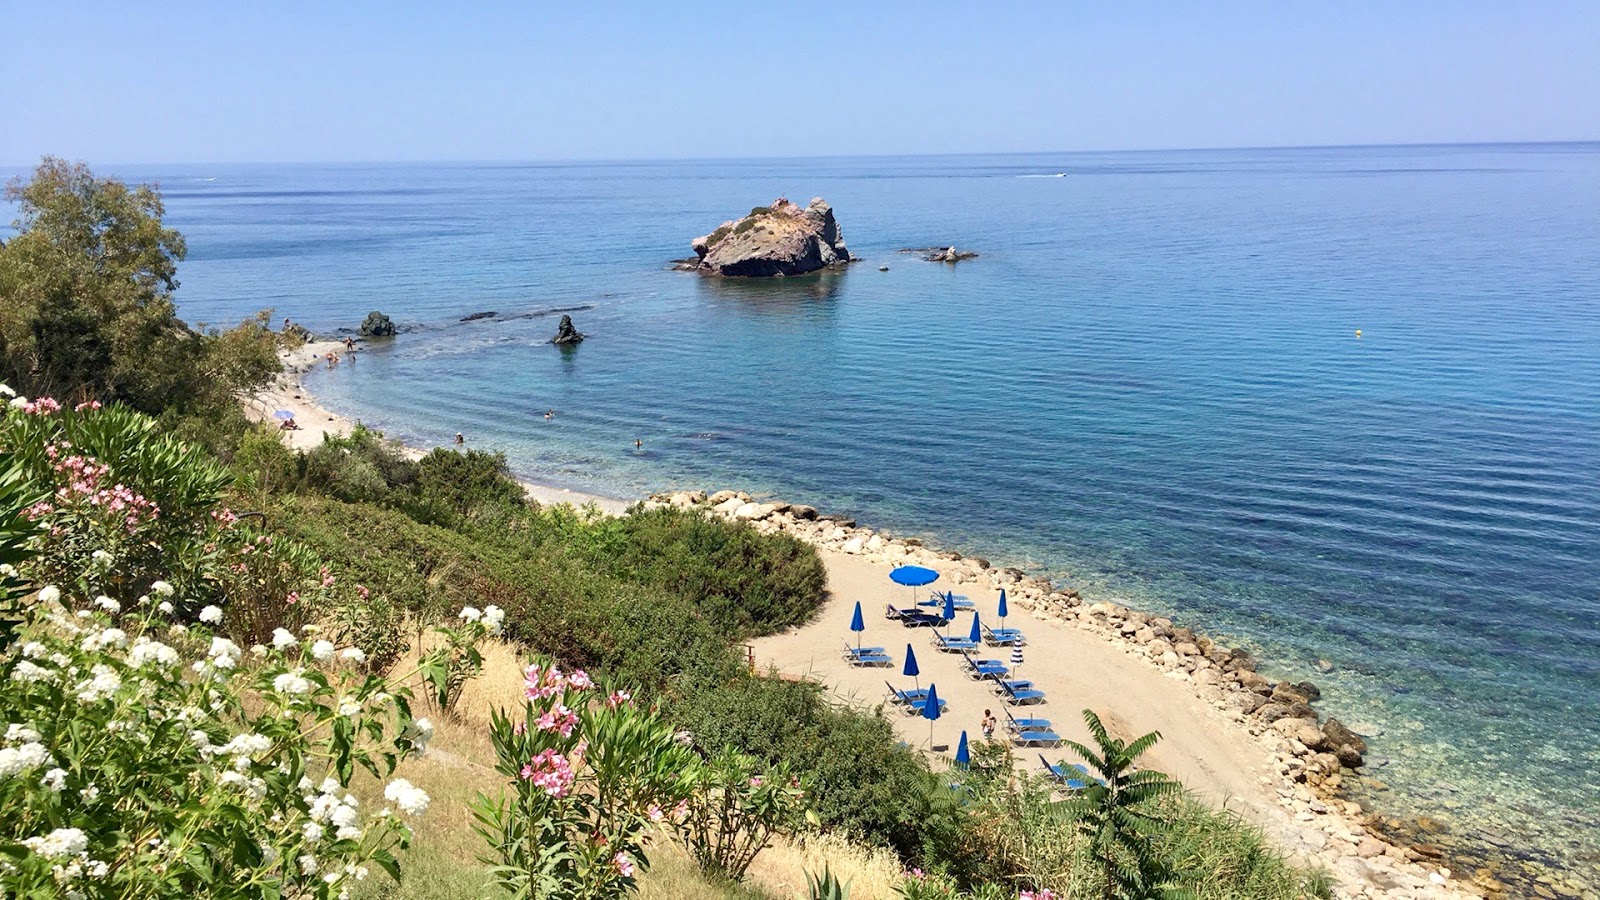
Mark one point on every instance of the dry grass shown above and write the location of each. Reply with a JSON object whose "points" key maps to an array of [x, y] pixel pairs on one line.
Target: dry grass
{"points": [[781, 869]]}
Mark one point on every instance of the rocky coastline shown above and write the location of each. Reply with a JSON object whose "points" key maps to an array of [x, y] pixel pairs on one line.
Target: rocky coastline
{"points": [[1315, 754]]}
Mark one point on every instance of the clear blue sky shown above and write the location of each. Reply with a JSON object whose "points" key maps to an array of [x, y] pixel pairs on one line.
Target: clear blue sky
{"points": [[132, 82]]}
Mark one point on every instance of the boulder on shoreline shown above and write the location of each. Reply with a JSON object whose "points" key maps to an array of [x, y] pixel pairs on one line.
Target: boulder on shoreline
{"points": [[777, 240], [566, 333], [376, 324]]}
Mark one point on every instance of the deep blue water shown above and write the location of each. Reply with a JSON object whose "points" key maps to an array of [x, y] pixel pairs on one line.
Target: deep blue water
{"points": [[1149, 385]]}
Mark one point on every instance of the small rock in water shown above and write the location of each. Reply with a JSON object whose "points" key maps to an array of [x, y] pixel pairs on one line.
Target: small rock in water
{"points": [[376, 324], [566, 333], [1324, 666]]}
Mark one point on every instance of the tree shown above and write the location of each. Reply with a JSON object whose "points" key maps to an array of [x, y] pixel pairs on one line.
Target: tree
{"points": [[86, 301], [1120, 816]]}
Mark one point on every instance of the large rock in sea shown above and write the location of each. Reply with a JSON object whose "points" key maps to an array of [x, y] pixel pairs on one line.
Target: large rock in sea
{"points": [[376, 324], [781, 239]]}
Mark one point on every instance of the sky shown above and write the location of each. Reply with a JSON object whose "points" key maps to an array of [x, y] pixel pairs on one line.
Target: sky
{"points": [[132, 82]]}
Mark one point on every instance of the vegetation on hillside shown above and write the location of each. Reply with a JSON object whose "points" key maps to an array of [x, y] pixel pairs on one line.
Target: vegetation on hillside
{"points": [[132, 492]]}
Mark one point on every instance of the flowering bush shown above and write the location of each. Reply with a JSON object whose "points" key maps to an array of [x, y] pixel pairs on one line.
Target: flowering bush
{"points": [[735, 808], [589, 775], [147, 758], [143, 506]]}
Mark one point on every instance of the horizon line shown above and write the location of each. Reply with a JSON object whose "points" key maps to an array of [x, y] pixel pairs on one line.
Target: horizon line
{"points": [[561, 161]]}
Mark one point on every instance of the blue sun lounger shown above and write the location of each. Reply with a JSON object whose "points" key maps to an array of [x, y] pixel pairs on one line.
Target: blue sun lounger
{"points": [[953, 645], [867, 656], [1015, 724], [960, 601], [906, 698], [1037, 737], [1003, 637], [979, 669], [1018, 696], [1071, 776], [914, 618]]}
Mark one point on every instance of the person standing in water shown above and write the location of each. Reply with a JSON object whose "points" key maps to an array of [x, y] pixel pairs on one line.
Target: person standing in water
{"points": [[460, 439]]}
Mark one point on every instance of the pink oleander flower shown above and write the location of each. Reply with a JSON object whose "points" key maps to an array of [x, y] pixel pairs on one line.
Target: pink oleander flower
{"points": [[87, 404], [756, 781], [327, 577], [42, 406], [520, 728], [915, 873], [550, 772], [542, 684], [618, 698], [293, 598], [559, 719], [624, 865], [362, 592], [224, 517], [1041, 894], [681, 811], [654, 813], [579, 679]]}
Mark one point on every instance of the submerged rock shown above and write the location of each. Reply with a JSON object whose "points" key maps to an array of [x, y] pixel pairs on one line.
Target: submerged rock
{"points": [[566, 333], [781, 239], [376, 324], [941, 254], [479, 315]]}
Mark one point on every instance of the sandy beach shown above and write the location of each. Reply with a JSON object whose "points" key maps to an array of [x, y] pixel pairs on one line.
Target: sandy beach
{"points": [[1207, 743]]}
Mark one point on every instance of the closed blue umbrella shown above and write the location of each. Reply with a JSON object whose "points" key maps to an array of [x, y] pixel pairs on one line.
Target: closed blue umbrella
{"points": [[857, 625], [911, 671], [930, 710], [977, 630], [949, 610], [1004, 611], [963, 755]]}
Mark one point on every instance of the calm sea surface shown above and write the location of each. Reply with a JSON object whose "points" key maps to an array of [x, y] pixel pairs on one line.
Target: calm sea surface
{"points": [[1149, 386]]}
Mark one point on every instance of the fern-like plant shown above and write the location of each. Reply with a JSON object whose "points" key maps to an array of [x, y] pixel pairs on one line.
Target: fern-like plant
{"points": [[1119, 814]]}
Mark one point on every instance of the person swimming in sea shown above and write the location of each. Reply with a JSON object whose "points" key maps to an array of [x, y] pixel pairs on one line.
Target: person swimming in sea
{"points": [[460, 439], [549, 414], [638, 444]]}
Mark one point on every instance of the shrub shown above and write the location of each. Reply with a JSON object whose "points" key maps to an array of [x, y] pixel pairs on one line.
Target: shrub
{"points": [[453, 486], [240, 764], [736, 805], [588, 776]]}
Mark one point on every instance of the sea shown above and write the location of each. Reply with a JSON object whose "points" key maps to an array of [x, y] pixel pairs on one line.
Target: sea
{"points": [[1340, 405]]}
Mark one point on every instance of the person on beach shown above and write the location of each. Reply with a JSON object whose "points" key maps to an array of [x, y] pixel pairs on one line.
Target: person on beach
{"points": [[460, 439], [289, 425], [350, 344], [285, 323], [988, 724]]}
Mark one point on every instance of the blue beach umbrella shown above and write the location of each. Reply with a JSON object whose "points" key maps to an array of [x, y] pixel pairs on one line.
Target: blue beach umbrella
{"points": [[977, 630], [913, 577], [949, 610], [911, 671], [1004, 611], [963, 755], [283, 414], [857, 625], [930, 710]]}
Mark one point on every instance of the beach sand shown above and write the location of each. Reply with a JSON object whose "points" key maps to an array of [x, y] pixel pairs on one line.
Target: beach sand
{"points": [[1204, 744]]}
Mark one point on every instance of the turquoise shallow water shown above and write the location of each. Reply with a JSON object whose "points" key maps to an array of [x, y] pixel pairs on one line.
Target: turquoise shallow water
{"points": [[1149, 385]]}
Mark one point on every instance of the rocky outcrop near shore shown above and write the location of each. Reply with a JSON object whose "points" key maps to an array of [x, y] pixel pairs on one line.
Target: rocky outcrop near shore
{"points": [[376, 324], [782, 239], [567, 333], [941, 254], [1314, 754]]}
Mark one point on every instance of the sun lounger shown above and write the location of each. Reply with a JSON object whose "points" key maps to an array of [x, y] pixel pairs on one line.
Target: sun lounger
{"points": [[1037, 737], [1018, 696], [960, 601], [916, 708], [953, 645], [913, 618], [869, 660], [906, 698], [850, 651], [1015, 724], [979, 669], [1003, 637], [1071, 776]]}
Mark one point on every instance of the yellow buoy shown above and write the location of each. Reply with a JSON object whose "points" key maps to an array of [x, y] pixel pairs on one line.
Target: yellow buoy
{"points": [[1358, 333]]}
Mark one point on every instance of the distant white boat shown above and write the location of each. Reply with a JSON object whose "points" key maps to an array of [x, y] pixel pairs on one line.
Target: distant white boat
{"points": [[1056, 175]]}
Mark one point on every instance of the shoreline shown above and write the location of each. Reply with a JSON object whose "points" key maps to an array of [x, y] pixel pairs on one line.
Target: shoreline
{"points": [[1203, 696]]}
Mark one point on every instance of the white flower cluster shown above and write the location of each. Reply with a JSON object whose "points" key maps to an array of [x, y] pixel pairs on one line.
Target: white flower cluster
{"points": [[146, 651], [293, 684], [322, 651], [104, 683], [59, 844], [419, 732], [283, 639], [331, 807], [493, 617], [211, 615], [412, 800], [23, 751], [224, 654], [101, 638]]}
